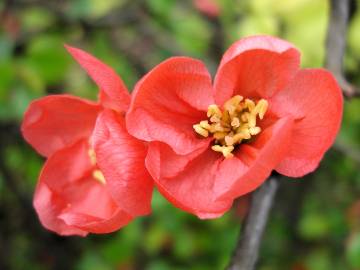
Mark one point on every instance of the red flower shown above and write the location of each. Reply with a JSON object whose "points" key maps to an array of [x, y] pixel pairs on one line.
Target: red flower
{"points": [[79, 191], [209, 7], [209, 144]]}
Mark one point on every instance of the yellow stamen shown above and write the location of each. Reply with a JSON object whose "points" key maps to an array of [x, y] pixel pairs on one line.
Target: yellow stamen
{"points": [[235, 122], [214, 110], [232, 125], [225, 150], [254, 130], [232, 104], [92, 156], [251, 118], [200, 130], [219, 135], [249, 104], [262, 107], [229, 140], [98, 175], [204, 124]]}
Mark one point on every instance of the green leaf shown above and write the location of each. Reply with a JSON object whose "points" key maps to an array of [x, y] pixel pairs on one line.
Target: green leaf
{"points": [[353, 251]]}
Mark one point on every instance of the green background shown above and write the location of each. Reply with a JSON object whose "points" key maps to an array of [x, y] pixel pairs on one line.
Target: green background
{"points": [[315, 223]]}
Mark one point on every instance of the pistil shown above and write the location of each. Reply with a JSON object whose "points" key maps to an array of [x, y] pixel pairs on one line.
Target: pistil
{"points": [[233, 125]]}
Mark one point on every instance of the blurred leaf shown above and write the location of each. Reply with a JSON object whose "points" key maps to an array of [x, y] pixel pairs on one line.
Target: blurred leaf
{"points": [[314, 226], [354, 35], [161, 7], [92, 8], [7, 73], [92, 261], [319, 259], [306, 25], [353, 251], [192, 33], [47, 57], [35, 19]]}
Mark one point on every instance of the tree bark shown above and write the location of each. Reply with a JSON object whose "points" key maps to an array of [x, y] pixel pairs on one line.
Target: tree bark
{"points": [[247, 249], [336, 44]]}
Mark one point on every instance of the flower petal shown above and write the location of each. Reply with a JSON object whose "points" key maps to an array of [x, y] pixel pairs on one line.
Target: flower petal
{"points": [[316, 101], [67, 190], [168, 101], [256, 67], [113, 92], [162, 161], [53, 122], [48, 206], [192, 189], [254, 162], [97, 225], [208, 184], [121, 159]]}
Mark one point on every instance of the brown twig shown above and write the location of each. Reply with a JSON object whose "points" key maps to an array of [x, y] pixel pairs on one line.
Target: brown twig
{"points": [[336, 43], [247, 249], [347, 150]]}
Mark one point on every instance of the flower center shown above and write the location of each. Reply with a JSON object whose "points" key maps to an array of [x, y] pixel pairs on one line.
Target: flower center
{"points": [[235, 124], [97, 174]]}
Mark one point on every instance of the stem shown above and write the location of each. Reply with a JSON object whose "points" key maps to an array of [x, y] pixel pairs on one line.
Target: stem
{"points": [[336, 43], [247, 248]]}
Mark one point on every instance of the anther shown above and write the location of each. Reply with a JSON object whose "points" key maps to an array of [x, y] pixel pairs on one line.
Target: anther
{"points": [[213, 110], [205, 124], [225, 150], [235, 122], [251, 119], [199, 130], [263, 106], [219, 135], [98, 175], [229, 140], [232, 125], [249, 104], [92, 156], [254, 130]]}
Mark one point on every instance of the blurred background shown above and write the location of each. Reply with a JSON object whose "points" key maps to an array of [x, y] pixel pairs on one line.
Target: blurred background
{"points": [[315, 223]]}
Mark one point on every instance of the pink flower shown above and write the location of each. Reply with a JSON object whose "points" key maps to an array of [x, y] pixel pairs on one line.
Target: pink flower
{"points": [[210, 143], [209, 7], [94, 179]]}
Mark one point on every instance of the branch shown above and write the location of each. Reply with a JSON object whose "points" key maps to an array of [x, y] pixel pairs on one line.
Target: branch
{"points": [[347, 150], [336, 43], [247, 249]]}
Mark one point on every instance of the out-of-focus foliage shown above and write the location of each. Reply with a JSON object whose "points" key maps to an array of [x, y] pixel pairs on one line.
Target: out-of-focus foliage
{"points": [[315, 224]]}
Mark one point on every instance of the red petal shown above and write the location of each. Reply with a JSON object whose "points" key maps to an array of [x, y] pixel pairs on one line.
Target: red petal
{"points": [[121, 158], [113, 92], [192, 190], [164, 162], [254, 161], [168, 101], [53, 122], [97, 225], [48, 206], [256, 67], [209, 7], [315, 100], [67, 190], [208, 184]]}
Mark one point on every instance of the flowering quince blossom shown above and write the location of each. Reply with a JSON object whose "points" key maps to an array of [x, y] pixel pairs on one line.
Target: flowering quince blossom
{"points": [[210, 143], [94, 179], [209, 7]]}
